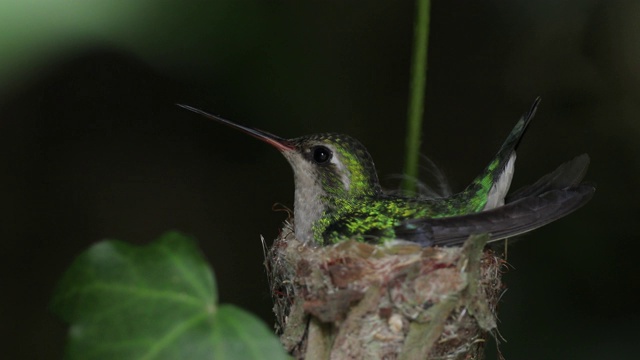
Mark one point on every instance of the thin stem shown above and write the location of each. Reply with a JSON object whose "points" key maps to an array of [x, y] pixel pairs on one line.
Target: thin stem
{"points": [[416, 90]]}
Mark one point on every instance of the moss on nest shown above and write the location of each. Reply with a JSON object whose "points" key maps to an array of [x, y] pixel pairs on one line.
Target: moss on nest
{"points": [[359, 301]]}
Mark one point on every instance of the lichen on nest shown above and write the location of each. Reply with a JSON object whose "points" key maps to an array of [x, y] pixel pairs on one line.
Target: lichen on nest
{"points": [[355, 300]]}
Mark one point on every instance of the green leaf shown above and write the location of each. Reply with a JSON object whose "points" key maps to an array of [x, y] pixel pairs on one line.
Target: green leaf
{"points": [[157, 301]]}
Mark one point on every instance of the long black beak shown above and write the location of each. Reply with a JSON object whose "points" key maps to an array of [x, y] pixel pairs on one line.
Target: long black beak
{"points": [[273, 140]]}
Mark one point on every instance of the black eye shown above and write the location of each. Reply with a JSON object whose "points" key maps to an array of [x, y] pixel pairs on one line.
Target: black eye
{"points": [[321, 154]]}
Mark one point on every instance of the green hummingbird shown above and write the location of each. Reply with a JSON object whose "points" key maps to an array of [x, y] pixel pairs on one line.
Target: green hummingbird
{"points": [[338, 195]]}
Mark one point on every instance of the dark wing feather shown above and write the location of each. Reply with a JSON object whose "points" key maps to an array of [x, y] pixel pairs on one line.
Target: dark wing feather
{"points": [[518, 217], [568, 174]]}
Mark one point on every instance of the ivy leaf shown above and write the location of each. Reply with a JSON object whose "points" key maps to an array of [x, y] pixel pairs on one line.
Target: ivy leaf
{"points": [[157, 301]]}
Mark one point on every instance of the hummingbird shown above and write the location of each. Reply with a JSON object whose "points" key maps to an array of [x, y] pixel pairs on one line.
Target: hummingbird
{"points": [[338, 195]]}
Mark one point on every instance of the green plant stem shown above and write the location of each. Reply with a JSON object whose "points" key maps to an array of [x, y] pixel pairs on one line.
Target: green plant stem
{"points": [[416, 91]]}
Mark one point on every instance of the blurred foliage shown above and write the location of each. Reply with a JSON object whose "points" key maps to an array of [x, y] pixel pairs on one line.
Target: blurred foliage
{"points": [[93, 147], [154, 302]]}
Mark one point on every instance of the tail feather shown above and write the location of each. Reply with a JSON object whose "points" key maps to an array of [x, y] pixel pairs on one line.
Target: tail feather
{"points": [[489, 189]]}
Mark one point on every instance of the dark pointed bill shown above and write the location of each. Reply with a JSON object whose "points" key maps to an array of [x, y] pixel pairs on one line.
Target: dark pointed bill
{"points": [[273, 140]]}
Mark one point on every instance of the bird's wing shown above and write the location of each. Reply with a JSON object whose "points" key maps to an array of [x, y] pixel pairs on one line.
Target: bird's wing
{"points": [[512, 219], [551, 197], [568, 174]]}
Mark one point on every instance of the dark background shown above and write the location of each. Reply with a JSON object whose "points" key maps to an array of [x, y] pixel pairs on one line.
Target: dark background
{"points": [[93, 147]]}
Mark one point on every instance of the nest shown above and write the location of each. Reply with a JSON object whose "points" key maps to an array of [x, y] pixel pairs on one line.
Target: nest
{"points": [[355, 300]]}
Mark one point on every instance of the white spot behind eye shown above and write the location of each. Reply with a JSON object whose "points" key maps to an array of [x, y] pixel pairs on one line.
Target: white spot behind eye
{"points": [[345, 174]]}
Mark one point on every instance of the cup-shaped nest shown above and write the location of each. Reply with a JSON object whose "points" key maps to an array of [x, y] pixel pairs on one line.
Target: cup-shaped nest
{"points": [[355, 300]]}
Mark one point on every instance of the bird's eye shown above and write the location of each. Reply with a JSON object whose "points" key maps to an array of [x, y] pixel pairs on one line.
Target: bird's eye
{"points": [[321, 154]]}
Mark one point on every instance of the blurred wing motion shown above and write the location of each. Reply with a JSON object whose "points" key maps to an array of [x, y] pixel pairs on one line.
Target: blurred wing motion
{"points": [[554, 196]]}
